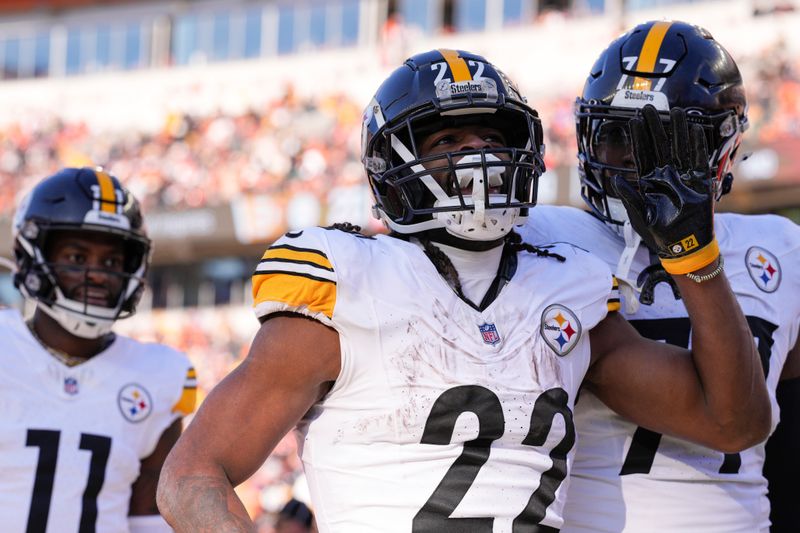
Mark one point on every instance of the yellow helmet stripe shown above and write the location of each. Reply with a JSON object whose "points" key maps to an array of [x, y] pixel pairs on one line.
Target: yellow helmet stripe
{"points": [[457, 65], [649, 53], [108, 198]]}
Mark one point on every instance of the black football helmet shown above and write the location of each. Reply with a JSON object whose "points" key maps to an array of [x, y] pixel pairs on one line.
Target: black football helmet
{"points": [[476, 194], [86, 200], [666, 64]]}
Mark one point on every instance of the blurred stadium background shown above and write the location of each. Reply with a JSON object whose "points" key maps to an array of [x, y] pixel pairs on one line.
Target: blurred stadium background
{"points": [[235, 120]]}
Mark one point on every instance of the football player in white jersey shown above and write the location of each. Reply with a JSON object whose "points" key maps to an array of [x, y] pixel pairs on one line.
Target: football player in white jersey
{"points": [[626, 475], [88, 416], [432, 372]]}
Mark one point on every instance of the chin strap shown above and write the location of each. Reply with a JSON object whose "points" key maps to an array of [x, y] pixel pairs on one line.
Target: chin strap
{"points": [[628, 288]]}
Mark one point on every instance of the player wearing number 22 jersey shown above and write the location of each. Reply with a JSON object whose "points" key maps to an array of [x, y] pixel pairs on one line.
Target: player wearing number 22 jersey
{"points": [[435, 384]]}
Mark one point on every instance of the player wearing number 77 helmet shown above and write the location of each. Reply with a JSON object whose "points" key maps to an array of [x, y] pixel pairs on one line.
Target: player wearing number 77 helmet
{"points": [[431, 373], [627, 476], [88, 416]]}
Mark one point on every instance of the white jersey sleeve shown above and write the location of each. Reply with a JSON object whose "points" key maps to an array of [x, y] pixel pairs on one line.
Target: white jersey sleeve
{"points": [[72, 438], [444, 417], [627, 478]]}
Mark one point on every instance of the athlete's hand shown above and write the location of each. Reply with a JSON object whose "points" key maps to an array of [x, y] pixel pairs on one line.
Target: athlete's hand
{"points": [[673, 208]]}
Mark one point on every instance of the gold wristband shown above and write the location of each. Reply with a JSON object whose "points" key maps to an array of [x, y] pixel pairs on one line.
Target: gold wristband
{"points": [[711, 275], [692, 262]]}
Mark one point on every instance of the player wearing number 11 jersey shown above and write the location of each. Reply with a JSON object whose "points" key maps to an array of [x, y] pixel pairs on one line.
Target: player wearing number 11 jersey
{"points": [[627, 477], [88, 416], [432, 372]]}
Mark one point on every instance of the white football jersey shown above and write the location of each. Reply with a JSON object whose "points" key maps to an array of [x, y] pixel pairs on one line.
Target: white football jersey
{"points": [[444, 418], [628, 478], [72, 438]]}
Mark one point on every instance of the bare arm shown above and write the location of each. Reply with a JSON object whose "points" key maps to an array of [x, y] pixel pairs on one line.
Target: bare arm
{"points": [[143, 492], [714, 395], [290, 366]]}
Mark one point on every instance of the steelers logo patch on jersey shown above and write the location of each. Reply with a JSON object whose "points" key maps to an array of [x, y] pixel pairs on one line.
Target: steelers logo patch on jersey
{"points": [[560, 329], [134, 402], [763, 268]]}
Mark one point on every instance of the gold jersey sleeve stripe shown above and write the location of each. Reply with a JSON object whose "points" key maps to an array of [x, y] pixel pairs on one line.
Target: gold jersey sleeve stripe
{"points": [[649, 54], [296, 290], [457, 65], [613, 304], [108, 198], [187, 402], [298, 255], [191, 374]]}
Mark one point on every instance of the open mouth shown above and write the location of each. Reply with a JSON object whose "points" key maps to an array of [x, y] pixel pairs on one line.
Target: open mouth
{"points": [[98, 296]]}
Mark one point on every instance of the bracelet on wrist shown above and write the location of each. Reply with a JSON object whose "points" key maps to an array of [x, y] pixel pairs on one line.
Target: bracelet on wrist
{"points": [[711, 275]]}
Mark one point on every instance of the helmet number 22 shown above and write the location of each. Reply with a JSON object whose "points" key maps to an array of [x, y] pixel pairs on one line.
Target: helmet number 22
{"points": [[441, 67], [434, 516]]}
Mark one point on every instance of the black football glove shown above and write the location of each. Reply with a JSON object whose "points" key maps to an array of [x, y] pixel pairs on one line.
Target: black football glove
{"points": [[673, 208]]}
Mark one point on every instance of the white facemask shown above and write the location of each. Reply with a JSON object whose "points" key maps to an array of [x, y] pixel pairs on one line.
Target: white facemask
{"points": [[480, 223]]}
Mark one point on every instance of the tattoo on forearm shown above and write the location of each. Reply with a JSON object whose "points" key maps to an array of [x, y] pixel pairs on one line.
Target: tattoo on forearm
{"points": [[200, 505]]}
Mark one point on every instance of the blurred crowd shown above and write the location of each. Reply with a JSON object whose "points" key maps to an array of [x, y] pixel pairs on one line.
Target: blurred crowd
{"points": [[300, 144], [292, 145]]}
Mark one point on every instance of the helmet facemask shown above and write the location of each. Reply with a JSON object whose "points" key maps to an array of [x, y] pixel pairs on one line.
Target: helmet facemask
{"points": [[475, 194], [605, 150], [90, 208], [473, 187], [41, 280]]}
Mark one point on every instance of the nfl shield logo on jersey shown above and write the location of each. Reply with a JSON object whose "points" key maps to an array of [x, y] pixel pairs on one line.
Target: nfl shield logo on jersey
{"points": [[134, 402], [764, 269], [489, 333], [71, 385], [560, 329]]}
